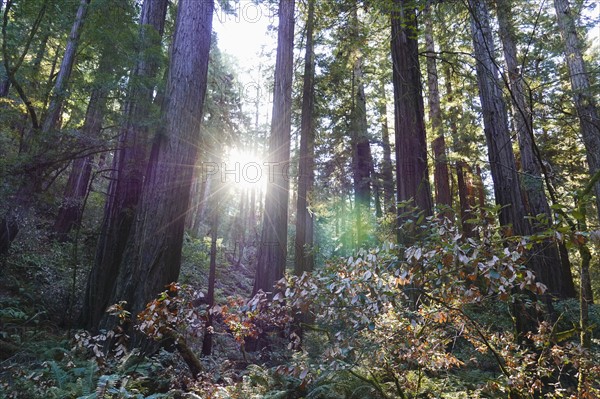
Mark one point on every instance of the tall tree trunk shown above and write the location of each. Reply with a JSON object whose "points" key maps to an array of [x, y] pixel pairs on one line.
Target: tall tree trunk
{"points": [[412, 178], [129, 164], [500, 153], [66, 67], [272, 253], [507, 192], [361, 148], [154, 246], [71, 209], [559, 279], [443, 195], [304, 259], [585, 103], [387, 169]]}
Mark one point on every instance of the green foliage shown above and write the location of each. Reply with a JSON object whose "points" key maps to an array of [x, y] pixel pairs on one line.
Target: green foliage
{"points": [[404, 320], [195, 254], [173, 315]]}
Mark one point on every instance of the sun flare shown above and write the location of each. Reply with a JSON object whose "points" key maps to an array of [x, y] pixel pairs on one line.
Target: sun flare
{"points": [[244, 169]]}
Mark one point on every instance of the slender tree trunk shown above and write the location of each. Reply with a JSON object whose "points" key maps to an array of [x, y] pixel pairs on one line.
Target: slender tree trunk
{"points": [[4, 87], [200, 193], [39, 57], [466, 198], [71, 209], [412, 178], [585, 103], [51, 77], [376, 182], [559, 281], [129, 165], [272, 253], [387, 169], [154, 246], [304, 259], [207, 339], [361, 148], [455, 109], [240, 234], [443, 195], [59, 91], [252, 217], [203, 198]]}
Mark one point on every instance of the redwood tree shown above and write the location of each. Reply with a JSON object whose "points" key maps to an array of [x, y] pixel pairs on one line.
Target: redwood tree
{"points": [[412, 179], [507, 190], [71, 209], [441, 178], [585, 103], [129, 167], [304, 259], [152, 256], [387, 168], [272, 253], [64, 73], [532, 181], [362, 161]]}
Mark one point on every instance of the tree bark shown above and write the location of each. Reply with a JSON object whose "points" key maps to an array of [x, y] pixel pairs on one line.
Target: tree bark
{"points": [[412, 178], [361, 148], [304, 259], [466, 197], [512, 215], [443, 195], [558, 278], [59, 92], [71, 209], [500, 153], [272, 252], [129, 165], [154, 247], [585, 103], [210, 296], [387, 169]]}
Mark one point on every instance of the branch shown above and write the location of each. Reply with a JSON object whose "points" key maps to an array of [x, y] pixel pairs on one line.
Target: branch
{"points": [[10, 72]]}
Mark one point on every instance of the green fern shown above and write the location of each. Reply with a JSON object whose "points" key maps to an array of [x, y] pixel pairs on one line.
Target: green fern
{"points": [[60, 376]]}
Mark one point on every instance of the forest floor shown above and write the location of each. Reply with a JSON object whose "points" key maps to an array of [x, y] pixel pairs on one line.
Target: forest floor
{"points": [[43, 354]]}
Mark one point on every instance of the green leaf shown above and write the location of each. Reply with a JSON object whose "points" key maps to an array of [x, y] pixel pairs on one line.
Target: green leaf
{"points": [[578, 215]]}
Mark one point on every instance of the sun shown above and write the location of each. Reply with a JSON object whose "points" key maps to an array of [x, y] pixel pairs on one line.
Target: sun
{"points": [[243, 169]]}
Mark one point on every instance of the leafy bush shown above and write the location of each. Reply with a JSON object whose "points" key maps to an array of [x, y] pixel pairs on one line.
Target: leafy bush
{"points": [[401, 319]]}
